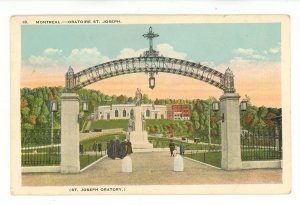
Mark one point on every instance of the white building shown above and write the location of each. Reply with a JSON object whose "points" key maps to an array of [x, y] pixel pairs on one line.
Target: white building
{"points": [[122, 111]]}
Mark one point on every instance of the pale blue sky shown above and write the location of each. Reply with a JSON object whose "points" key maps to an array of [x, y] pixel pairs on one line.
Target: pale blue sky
{"points": [[200, 42]]}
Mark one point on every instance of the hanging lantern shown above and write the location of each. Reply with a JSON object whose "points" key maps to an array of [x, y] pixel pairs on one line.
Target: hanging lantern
{"points": [[85, 107], [244, 105], [53, 107], [151, 82], [215, 106]]}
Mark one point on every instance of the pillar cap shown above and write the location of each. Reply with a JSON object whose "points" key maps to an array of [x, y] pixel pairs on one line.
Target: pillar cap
{"points": [[230, 96], [69, 96]]}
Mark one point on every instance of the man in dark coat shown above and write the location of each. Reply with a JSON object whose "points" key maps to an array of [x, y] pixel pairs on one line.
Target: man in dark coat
{"points": [[128, 147], [172, 147], [181, 149]]}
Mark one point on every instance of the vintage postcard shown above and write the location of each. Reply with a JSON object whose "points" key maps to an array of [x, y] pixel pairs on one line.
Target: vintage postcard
{"points": [[169, 104]]}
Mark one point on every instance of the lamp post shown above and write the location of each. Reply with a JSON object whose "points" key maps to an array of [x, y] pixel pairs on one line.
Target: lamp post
{"points": [[85, 108], [207, 107], [243, 108], [53, 108]]}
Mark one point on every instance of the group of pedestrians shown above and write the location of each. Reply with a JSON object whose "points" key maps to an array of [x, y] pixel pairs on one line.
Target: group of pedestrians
{"points": [[175, 149]]}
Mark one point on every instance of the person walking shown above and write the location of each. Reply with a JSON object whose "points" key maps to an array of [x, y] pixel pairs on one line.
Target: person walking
{"points": [[128, 147], [172, 147]]}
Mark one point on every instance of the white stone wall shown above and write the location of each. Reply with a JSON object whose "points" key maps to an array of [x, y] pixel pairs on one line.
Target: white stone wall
{"points": [[261, 164]]}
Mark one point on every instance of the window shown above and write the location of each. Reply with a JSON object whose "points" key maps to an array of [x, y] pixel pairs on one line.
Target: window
{"points": [[116, 113], [155, 115], [162, 117], [124, 113], [147, 113]]}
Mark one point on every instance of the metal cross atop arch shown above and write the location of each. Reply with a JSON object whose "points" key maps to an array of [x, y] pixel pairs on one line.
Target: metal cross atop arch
{"points": [[150, 62], [150, 35]]}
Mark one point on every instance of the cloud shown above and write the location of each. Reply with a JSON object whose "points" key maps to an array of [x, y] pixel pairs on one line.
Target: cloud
{"points": [[129, 53], [249, 54], [164, 49], [86, 56], [52, 51], [169, 51], [258, 57], [244, 51], [53, 57]]}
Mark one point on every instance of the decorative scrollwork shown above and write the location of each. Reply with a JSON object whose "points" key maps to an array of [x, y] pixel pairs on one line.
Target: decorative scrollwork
{"points": [[148, 65]]}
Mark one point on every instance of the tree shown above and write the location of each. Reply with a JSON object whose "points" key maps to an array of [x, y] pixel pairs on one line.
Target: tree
{"points": [[261, 113], [121, 99], [199, 106], [24, 103], [145, 99], [50, 96], [27, 126], [32, 119], [170, 130], [268, 121], [25, 114], [152, 129], [249, 119], [113, 99], [189, 127], [54, 93], [42, 121], [213, 132], [157, 102], [130, 100]]}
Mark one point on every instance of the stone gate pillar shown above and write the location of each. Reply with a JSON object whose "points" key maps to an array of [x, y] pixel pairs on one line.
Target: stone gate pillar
{"points": [[69, 133], [230, 132]]}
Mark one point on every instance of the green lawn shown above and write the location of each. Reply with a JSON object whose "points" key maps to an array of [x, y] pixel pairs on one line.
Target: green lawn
{"points": [[179, 127], [164, 143], [154, 122], [86, 160], [212, 158], [109, 124], [123, 123]]}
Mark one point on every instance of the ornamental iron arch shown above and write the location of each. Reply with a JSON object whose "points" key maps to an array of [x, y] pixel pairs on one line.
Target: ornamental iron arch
{"points": [[150, 62]]}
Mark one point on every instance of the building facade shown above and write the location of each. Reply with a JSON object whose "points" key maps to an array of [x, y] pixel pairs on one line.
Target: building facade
{"points": [[122, 111], [178, 112]]}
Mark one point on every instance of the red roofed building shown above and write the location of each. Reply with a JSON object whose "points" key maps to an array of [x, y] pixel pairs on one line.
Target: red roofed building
{"points": [[178, 112]]}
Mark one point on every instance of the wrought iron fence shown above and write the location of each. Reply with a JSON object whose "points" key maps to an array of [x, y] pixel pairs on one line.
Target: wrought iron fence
{"points": [[40, 147], [263, 143], [90, 152]]}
